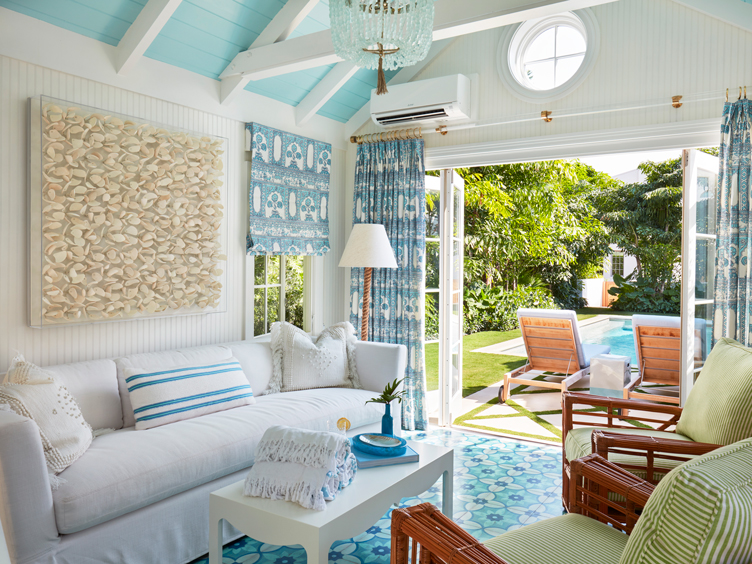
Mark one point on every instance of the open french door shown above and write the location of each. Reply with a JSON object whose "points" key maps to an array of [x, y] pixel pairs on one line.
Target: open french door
{"points": [[451, 234], [698, 262]]}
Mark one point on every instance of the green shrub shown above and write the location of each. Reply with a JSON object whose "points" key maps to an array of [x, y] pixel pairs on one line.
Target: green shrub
{"points": [[568, 295], [493, 309], [640, 296]]}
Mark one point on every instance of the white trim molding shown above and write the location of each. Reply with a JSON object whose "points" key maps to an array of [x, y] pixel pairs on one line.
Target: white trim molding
{"points": [[699, 133], [143, 31]]}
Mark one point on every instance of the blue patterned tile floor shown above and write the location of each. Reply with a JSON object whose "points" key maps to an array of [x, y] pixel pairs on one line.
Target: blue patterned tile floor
{"points": [[499, 484]]}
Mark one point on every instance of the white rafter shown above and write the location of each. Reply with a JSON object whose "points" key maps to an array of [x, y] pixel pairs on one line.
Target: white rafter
{"points": [[325, 89], [452, 19], [279, 29], [734, 12], [404, 75], [153, 17]]}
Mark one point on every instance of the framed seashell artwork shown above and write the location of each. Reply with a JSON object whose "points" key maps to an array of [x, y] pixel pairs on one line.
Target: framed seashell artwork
{"points": [[125, 217]]}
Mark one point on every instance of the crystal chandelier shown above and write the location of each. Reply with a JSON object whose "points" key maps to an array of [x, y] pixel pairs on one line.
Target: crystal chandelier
{"points": [[383, 34]]}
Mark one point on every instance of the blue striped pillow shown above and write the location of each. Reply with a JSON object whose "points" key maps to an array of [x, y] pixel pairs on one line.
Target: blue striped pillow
{"points": [[185, 392]]}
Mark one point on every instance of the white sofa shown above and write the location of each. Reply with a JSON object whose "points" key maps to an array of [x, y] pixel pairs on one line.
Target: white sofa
{"points": [[143, 496]]}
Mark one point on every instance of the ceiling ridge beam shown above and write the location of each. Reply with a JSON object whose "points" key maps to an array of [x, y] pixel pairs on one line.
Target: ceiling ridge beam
{"points": [[452, 19], [142, 32], [279, 29], [324, 90], [406, 74]]}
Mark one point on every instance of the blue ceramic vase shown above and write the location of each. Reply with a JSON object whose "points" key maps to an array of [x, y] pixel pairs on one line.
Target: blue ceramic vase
{"points": [[387, 423]]}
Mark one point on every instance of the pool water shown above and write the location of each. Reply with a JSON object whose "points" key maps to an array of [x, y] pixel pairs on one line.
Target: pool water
{"points": [[616, 333]]}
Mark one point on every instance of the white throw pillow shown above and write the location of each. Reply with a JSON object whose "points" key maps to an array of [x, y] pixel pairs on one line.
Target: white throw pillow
{"points": [[302, 362], [167, 395], [35, 393]]}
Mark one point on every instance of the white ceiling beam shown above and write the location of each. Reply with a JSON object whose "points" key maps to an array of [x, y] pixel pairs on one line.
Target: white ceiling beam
{"points": [[153, 17], [731, 12], [404, 75], [279, 29], [325, 89], [451, 19]]}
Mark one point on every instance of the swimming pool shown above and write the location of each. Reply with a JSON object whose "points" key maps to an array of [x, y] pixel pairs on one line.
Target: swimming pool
{"points": [[614, 332]]}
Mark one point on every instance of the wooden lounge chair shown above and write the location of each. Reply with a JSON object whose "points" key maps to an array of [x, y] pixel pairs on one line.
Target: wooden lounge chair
{"points": [[553, 344], [658, 347]]}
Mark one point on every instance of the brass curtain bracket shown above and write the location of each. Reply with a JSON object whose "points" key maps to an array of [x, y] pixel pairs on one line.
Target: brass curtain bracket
{"points": [[442, 129], [676, 101], [546, 115]]}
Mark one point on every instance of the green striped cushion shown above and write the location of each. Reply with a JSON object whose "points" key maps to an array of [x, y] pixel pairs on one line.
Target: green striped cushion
{"points": [[701, 513], [577, 445], [567, 539], [718, 407]]}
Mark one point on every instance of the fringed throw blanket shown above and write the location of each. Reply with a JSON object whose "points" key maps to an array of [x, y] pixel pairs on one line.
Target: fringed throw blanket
{"points": [[306, 467]]}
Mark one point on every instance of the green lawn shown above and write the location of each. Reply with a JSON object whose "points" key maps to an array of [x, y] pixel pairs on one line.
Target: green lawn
{"points": [[481, 370]]}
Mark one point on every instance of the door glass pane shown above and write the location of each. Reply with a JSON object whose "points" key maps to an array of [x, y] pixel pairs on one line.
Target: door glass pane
{"points": [[703, 332], [456, 385], [432, 264], [705, 274], [433, 214], [706, 184], [459, 213], [432, 316], [259, 328], [294, 290]]}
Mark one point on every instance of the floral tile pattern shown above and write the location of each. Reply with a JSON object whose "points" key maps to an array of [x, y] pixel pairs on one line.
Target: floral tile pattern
{"points": [[499, 485]]}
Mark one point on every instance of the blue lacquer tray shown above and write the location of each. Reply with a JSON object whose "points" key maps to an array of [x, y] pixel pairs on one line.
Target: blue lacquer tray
{"points": [[396, 450]]}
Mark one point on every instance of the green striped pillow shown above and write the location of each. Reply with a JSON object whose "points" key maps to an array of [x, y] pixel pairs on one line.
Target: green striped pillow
{"points": [[719, 407], [700, 513]]}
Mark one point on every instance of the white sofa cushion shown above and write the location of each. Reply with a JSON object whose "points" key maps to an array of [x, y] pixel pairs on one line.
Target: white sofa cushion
{"points": [[174, 394], [94, 385], [129, 469], [164, 359], [256, 360]]}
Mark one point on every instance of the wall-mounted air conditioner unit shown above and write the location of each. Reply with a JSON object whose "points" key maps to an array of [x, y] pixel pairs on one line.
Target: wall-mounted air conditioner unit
{"points": [[425, 102]]}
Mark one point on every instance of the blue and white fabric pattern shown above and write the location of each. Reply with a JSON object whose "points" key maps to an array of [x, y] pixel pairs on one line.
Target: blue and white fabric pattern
{"points": [[174, 394], [732, 315], [289, 193], [390, 190]]}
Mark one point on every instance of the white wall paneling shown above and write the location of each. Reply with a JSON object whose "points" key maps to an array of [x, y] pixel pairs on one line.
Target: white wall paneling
{"points": [[19, 81], [650, 50]]}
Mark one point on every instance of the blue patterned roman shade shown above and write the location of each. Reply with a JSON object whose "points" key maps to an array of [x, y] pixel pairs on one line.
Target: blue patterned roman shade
{"points": [[289, 193]]}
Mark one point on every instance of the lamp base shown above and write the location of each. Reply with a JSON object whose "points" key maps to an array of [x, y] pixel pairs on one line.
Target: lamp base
{"points": [[366, 303]]}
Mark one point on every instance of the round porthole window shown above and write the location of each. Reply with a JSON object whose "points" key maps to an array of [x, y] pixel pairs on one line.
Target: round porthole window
{"points": [[546, 58]]}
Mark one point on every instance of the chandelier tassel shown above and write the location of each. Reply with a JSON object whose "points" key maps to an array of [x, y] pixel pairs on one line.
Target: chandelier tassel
{"points": [[381, 86]]}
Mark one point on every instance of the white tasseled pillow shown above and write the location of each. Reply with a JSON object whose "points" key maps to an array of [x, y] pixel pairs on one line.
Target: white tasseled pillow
{"points": [[35, 393], [184, 392], [302, 362]]}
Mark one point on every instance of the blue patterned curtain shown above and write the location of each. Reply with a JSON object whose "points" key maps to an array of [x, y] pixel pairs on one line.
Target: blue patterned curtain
{"points": [[289, 193], [390, 189], [733, 280]]}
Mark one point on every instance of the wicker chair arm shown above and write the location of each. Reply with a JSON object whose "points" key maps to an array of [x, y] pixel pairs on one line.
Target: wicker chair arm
{"points": [[441, 540], [594, 480], [604, 443]]}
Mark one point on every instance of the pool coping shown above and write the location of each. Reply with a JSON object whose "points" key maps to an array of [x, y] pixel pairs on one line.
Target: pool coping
{"points": [[501, 348]]}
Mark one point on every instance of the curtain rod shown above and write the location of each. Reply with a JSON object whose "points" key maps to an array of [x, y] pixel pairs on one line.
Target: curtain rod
{"points": [[392, 135], [549, 115]]}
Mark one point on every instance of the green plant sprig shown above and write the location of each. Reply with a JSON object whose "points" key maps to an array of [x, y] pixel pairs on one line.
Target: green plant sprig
{"points": [[390, 393]]}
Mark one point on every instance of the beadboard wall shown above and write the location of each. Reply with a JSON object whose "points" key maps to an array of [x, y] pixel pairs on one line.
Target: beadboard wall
{"points": [[649, 50]]}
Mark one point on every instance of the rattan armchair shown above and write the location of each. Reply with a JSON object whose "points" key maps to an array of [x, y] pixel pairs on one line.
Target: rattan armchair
{"points": [[423, 535], [576, 413]]}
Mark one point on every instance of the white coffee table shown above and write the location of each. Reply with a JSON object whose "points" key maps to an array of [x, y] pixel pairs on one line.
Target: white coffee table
{"points": [[356, 508]]}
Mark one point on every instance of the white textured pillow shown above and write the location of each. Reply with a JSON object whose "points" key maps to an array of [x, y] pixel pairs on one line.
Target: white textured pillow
{"points": [[35, 393], [302, 362], [184, 392]]}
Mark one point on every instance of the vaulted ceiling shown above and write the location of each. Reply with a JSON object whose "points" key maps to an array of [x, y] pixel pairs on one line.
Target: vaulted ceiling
{"points": [[281, 48]]}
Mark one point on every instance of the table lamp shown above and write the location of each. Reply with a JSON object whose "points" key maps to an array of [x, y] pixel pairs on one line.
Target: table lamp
{"points": [[368, 247]]}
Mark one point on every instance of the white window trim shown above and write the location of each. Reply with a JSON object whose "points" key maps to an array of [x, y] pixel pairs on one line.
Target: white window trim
{"points": [[512, 46]]}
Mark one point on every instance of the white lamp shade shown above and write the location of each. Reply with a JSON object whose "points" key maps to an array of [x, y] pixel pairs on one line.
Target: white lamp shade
{"points": [[368, 245]]}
